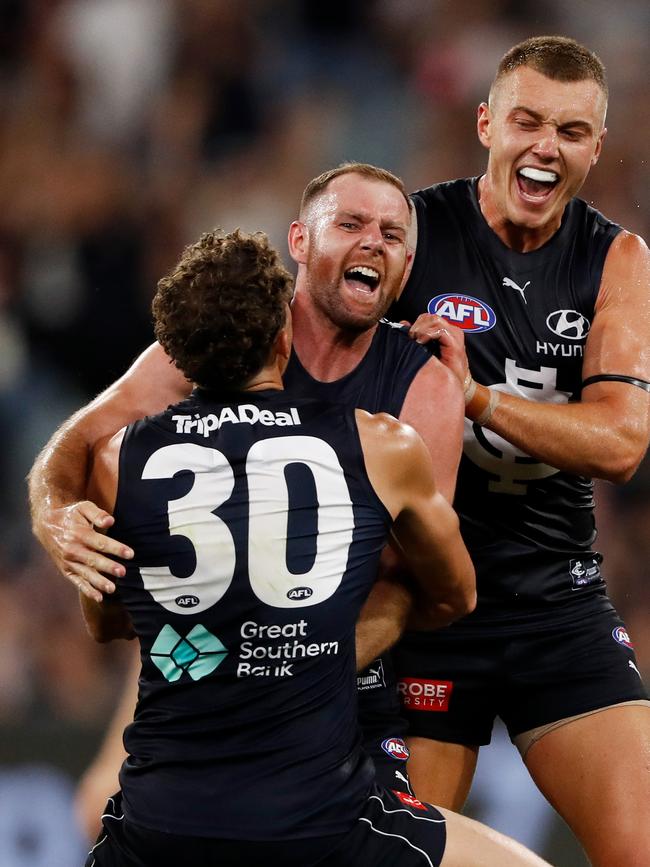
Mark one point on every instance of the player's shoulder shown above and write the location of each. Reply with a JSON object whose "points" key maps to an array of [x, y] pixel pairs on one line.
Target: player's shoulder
{"points": [[627, 264], [444, 211], [385, 432], [395, 456], [580, 213], [628, 244], [395, 337], [444, 193]]}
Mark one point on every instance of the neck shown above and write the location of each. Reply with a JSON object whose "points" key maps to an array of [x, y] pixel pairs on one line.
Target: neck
{"points": [[267, 378], [326, 351], [519, 238]]}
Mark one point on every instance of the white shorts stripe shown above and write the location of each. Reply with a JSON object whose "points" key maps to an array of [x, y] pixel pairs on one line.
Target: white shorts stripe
{"points": [[398, 837], [98, 843], [111, 815], [408, 812]]}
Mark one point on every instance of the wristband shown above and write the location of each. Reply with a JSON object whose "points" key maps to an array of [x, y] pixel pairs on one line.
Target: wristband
{"points": [[478, 403], [482, 405], [486, 415], [469, 387]]}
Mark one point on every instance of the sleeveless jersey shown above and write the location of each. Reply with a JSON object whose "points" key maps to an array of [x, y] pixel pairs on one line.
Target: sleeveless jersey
{"points": [[257, 535], [379, 383], [526, 316]]}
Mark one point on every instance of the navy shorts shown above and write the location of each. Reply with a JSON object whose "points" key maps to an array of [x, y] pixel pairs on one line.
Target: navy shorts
{"points": [[393, 828], [383, 726], [455, 681]]}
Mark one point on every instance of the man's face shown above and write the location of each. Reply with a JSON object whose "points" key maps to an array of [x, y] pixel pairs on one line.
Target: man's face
{"points": [[544, 136], [355, 251]]}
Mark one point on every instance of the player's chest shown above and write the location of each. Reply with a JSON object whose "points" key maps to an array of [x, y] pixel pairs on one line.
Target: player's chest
{"points": [[530, 314]]}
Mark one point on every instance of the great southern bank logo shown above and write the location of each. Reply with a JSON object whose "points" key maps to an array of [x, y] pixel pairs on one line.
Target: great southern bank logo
{"points": [[463, 311], [198, 654]]}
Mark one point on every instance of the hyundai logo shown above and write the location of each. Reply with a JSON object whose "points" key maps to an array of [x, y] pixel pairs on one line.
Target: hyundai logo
{"points": [[568, 324]]}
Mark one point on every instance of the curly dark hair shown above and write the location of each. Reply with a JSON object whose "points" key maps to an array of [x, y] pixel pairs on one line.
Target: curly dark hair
{"points": [[556, 57], [219, 310]]}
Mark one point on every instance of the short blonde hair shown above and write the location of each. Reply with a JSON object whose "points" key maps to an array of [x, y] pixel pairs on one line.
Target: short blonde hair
{"points": [[317, 185]]}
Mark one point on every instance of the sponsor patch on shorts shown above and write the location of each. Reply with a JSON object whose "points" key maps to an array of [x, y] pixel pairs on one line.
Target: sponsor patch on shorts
{"points": [[410, 800], [395, 748], [584, 572], [428, 695], [619, 634], [372, 677]]}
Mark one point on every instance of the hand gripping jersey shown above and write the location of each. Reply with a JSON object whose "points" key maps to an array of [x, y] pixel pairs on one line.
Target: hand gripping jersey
{"points": [[526, 317], [257, 535]]}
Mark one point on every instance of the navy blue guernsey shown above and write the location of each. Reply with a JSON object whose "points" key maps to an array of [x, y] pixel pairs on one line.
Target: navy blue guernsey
{"points": [[379, 383], [257, 535], [526, 316]]}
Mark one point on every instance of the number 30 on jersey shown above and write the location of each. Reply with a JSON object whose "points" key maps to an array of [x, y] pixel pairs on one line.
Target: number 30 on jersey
{"points": [[192, 516]]}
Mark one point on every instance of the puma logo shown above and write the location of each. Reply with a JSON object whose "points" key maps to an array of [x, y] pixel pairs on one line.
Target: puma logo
{"points": [[511, 283]]}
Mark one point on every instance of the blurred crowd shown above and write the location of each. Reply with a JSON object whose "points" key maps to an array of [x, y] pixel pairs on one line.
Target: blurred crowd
{"points": [[128, 127]]}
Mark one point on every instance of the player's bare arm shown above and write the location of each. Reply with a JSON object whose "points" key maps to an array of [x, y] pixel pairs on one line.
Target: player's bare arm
{"points": [[385, 613], [426, 528], [107, 619], [63, 519], [434, 406], [604, 435]]}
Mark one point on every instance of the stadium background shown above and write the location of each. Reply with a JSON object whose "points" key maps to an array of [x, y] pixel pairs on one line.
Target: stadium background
{"points": [[130, 126]]}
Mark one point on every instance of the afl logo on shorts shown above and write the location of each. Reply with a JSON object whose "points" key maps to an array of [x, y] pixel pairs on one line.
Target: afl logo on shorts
{"points": [[396, 748], [463, 311], [620, 634]]}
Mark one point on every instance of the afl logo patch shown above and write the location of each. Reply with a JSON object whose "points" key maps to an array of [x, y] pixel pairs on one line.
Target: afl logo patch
{"points": [[187, 601], [396, 748], [568, 324], [299, 593], [620, 634], [463, 311]]}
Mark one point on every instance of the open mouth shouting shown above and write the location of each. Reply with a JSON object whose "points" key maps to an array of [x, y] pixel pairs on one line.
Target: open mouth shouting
{"points": [[536, 185], [362, 279]]}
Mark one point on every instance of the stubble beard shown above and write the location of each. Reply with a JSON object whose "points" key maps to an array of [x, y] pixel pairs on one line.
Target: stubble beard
{"points": [[333, 307]]}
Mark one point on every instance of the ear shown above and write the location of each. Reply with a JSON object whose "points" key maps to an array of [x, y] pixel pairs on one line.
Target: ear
{"points": [[483, 124], [283, 344], [298, 242], [599, 146], [410, 257]]}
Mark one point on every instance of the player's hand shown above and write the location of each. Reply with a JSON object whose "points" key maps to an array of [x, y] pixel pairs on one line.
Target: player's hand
{"points": [[74, 536], [429, 326]]}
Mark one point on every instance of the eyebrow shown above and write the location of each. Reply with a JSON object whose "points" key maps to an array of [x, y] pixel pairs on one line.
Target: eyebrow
{"points": [[365, 218], [583, 124]]}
